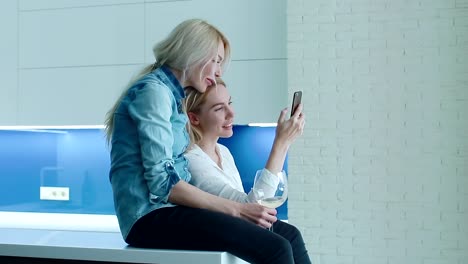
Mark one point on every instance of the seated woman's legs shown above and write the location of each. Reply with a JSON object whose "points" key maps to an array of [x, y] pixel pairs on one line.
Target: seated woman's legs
{"points": [[293, 235], [197, 229]]}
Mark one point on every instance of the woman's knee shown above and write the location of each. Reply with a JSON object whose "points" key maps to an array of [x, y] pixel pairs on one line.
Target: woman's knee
{"points": [[282, 249]]}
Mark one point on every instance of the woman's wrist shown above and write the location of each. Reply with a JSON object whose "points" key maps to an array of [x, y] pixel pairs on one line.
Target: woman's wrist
{"points": [[280, 146]]}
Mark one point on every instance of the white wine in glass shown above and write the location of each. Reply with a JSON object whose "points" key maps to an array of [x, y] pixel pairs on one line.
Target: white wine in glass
{"points": [[271, 189], [272, 202]]}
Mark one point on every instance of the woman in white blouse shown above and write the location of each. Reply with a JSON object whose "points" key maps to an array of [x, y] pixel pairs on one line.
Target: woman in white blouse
{"points": [[211, 164]]}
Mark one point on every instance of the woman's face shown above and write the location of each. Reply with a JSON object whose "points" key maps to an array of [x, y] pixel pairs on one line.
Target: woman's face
{"points": [[204, 76], [216, 115]]}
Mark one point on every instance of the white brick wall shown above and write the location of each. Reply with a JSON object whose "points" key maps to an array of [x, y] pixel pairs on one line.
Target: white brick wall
{"points": [[381, 172]]}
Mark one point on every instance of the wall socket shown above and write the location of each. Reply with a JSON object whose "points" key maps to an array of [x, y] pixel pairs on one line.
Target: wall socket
{"points": [[54, 193]]}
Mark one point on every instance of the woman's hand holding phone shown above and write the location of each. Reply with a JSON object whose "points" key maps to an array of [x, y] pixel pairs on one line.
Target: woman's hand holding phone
{"points": [[288, 130]]}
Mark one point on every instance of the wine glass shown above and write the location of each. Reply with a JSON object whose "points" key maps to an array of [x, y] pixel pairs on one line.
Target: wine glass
{"points": [[270, 189]]}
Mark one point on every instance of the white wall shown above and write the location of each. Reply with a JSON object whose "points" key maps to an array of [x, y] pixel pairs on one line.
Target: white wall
{"points": [[381, 173], [66, 61], [8, 62]]}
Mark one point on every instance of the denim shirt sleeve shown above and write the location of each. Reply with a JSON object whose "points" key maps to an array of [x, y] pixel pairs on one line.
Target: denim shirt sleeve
{"points": [[151, 110]]}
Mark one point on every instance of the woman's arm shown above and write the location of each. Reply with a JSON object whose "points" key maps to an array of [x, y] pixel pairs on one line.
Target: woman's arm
{"points": [[286, 132], [188, 195], [152, 107]]}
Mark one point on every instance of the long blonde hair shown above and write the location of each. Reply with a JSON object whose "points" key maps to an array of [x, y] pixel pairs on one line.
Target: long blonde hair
{"points": [[192, 103], [191, 43]]}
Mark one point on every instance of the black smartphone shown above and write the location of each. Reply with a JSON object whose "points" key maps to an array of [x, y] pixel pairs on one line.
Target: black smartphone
{"points": [[297, 99]]}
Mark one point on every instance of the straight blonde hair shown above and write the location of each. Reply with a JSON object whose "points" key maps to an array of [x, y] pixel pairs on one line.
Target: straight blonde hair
{"points": [[193, 102], [192, 43]]}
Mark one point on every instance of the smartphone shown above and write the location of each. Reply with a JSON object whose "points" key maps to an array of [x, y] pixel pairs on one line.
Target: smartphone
{"points": [[297, 99]]}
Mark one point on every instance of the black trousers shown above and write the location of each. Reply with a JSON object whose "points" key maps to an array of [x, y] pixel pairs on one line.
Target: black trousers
{"points": [[198, 229]]}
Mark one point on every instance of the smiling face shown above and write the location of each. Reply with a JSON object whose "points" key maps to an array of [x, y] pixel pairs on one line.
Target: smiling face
{"points": [[215, 116], [204, 76]]}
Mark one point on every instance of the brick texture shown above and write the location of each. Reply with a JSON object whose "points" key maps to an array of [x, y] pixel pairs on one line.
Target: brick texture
{"points": [[381, 172]]}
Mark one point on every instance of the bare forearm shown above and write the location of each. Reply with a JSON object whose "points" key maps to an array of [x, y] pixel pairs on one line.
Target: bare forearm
{"points": [[185, 194], [277, 156], [286, 133], [188, 195]]}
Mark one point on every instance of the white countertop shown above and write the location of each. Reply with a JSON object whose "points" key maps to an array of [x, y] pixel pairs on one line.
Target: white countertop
{"points": [[96, 246]]}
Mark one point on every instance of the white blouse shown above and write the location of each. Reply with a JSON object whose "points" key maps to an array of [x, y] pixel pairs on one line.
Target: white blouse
{"points": [[224, 182]]}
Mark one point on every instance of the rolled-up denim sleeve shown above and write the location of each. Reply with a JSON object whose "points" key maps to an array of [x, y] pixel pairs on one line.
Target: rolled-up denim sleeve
{"points": [[151, 111]]}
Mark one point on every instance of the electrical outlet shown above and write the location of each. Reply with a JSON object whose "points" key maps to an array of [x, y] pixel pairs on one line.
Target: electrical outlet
{"points": [[54, 193]]}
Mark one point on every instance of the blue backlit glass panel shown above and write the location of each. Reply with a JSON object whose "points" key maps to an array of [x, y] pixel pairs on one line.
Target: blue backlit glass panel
{"points": [[79, 159]]}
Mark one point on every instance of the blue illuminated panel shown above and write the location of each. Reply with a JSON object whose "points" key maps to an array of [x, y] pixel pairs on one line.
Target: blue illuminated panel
{"points": [[79, 159]]}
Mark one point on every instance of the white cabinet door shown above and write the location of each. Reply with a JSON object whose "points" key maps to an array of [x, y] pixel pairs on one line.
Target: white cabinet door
{"points": [[8, 62], [74, 58]]}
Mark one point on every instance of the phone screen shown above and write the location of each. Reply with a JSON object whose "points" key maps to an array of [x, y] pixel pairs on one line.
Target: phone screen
{"points": [[297, 98]]}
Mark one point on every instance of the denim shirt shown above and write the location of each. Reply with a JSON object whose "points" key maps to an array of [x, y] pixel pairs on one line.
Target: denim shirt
{"points": [[148, 143]]}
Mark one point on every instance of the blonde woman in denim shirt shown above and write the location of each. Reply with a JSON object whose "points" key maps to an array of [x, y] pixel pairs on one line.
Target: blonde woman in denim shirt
{"points": [[155, 205]]}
